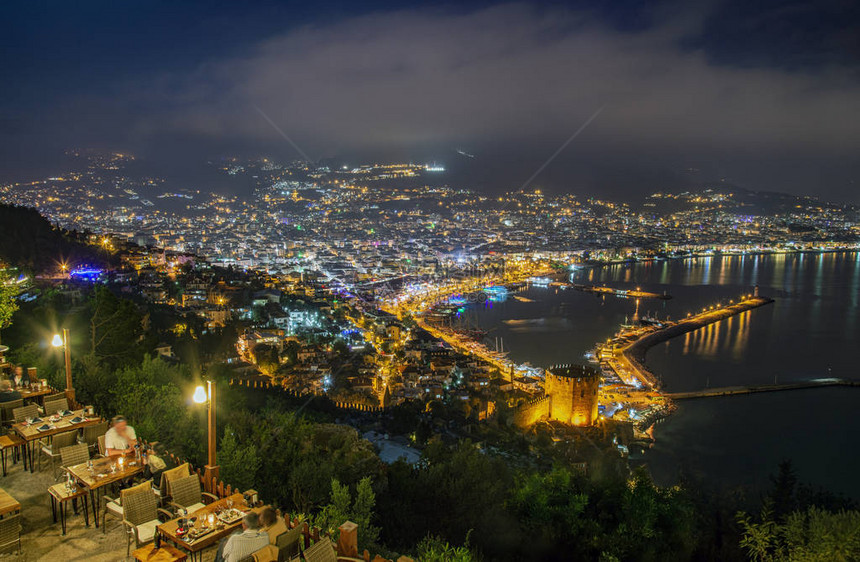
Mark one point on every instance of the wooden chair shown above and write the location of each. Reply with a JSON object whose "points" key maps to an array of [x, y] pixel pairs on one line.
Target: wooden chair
{"points": [[102, 447], [90, 434], [113, 506], [140, 515], [321, 551], [10, 533], [185, 493], [52, 449], [266, 554], [54, 406], [74, 455], [55, 396], [6, 408], [289, 543], [29, 411], [11, 443], [169, 476]]}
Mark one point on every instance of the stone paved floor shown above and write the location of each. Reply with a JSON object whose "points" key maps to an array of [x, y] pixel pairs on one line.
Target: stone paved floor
{"points": [[41, 538]]}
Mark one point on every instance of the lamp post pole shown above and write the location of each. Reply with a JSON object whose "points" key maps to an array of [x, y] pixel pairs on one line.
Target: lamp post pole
{"points": [[212, 465], [67, 351]]}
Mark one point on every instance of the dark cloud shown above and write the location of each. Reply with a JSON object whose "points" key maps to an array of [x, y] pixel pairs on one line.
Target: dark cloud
{"points": [[512, 82]]}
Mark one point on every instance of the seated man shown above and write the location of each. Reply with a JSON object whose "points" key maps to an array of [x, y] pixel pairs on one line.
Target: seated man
{"points": [[272, 524], [246, 543], [6, 392], [120, 439]]}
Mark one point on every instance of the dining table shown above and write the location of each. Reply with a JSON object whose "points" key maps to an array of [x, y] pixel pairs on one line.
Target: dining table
{"points": [[8, 504], [211, 523], [31, 393], [47, 426], [96, 474]]}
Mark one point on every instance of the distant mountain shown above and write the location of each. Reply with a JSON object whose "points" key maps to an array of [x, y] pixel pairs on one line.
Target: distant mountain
{"points": [[30, 242], [733, 199]]}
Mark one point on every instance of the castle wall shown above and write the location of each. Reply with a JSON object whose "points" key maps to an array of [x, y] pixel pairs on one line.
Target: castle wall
{"points": [[532, 411]]}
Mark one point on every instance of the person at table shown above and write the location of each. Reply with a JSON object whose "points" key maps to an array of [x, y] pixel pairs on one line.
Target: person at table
{"points": [[7, 394], [272, 524], [20, 378], [120, 439], [241, 545]]}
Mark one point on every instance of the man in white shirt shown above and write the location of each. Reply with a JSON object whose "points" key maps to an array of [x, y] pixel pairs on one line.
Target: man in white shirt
{"points": [[246, 543], [120, 439]]}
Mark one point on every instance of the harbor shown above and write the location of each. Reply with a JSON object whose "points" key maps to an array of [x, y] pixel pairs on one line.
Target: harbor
{"points": [[628, 359]]}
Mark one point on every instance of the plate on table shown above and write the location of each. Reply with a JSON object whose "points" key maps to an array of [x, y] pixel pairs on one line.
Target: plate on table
{"points": [[77, 419], [230, 516], [44, 427], [67, 413], [37, 420]]}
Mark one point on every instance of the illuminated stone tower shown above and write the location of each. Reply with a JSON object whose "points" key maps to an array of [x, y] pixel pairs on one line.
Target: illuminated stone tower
{"points": [[572, 390]]}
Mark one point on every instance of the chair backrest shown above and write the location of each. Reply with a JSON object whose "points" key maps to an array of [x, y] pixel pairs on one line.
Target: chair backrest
{"points": [[321, 551], [74, 454], [8, 407], [266, 554], [289, 543], [91, 433], [54, 406], [61, 440], [142, 487], [169, 476], [10, 529], [140, 507], [24, 412], [186, 491], [55, 396], [102, 446]]}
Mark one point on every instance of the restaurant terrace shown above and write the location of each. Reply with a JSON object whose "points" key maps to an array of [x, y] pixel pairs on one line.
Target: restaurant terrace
{"points": [[63, 497]]}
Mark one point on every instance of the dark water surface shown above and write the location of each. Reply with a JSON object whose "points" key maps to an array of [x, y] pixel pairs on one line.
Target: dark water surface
{"points": [[811, 331]]}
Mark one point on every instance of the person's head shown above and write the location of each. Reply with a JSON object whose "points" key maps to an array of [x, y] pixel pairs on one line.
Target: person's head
{"points": [[5, 386], [251, 521], [119, 423], [19, 371], [268, 516]]}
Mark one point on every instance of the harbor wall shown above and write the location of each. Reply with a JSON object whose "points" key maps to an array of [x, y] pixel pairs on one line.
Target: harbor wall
{"points": [[635, 353]]}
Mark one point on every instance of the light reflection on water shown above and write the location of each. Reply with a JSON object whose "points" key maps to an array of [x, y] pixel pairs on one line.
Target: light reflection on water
{"points": [[810, 331]]}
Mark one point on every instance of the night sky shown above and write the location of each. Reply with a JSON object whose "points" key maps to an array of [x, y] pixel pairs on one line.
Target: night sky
{"points": [[764, 95]]}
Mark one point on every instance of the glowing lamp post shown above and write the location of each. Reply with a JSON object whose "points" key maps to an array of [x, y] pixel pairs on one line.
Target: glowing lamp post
{"points": [[207, 396], [63, 341]]}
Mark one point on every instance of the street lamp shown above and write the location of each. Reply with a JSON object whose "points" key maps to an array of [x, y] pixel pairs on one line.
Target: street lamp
{"points": [[207, 396], [63, 341]]}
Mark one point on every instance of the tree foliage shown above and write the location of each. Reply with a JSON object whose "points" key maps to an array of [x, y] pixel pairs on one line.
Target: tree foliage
{"points": [[342, 508], [8, 301], [115, 327], [812, 534]]}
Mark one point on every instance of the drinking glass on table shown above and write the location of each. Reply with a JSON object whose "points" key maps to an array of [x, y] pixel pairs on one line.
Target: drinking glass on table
{"points": [[229, 503]]}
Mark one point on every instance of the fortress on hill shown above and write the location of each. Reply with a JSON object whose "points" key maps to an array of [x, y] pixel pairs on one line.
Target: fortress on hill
{"points": [[570, 397]]}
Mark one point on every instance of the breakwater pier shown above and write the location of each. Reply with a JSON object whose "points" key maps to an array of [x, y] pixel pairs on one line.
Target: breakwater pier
{"points": [[628, 361], [752, 389]]}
